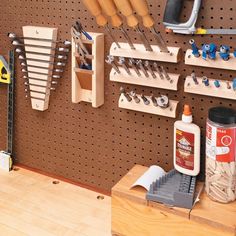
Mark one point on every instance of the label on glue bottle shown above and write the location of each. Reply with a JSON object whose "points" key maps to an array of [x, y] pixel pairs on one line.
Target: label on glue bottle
{"points": [[185, 149], [220, 143]]}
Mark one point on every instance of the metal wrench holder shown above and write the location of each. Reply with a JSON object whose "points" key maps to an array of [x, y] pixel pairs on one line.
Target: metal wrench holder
{"points": [[88, 85]]}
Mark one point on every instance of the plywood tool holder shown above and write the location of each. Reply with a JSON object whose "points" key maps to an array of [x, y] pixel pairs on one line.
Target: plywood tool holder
{"points": [[151, 109], [174, 55], [88, 85], [224, 91], [218, 63], [149, 81], [36, 76]]}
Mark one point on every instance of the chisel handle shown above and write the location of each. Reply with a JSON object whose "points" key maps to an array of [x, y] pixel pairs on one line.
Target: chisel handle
{"points": [[95, 9], [125, 8], [109, 8], [141, 7]]}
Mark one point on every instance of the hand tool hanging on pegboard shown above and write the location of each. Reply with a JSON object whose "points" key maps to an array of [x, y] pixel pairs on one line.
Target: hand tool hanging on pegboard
{"points": [[6, 156], [141, 7], [172, 22], [95, 9]]}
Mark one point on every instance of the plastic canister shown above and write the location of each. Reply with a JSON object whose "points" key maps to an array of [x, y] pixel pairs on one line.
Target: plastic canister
{"points": [[221, 154]]}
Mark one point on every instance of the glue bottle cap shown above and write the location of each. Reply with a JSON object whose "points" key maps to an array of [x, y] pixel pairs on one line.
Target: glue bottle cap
{"points": [[187, 115]]}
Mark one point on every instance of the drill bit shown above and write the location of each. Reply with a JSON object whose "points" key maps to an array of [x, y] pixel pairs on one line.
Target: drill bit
{"points": [[147, 65], [122, 62], [132, 63], [140, 64], [135, 97], [126, 95], [111, 61], [156, 67]]}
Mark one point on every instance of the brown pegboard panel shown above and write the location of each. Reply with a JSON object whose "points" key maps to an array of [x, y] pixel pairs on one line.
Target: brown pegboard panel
{"points": [[98, 146]]}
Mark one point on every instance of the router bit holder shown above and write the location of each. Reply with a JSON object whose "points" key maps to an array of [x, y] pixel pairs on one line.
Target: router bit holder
{"points": [[218, 62], [148, 106], [174, 55], [225, 89], [88, 85]]}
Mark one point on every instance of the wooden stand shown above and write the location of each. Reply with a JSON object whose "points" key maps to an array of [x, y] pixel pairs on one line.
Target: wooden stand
{"points": [[40, 96], [88, 86], [123, 77], [211, 90], [133, 215], [169, 112], [219, 63], [174, 56]]}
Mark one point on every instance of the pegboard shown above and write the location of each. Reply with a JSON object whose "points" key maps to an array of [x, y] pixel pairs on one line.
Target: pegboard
{"points": [[98, 146]]}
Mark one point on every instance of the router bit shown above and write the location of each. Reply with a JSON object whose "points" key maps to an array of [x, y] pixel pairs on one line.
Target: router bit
{"points": [[147, 65], [193, 75], [122, 62], [125, 8], [140, 64], [163, 101], [145, 100], [109, 8], [205, 81], [132, 63], [95, 9], [126, 95], [141, 7], [228, 85], [166, 74], [156, 67], [154, 101], [135, 97], [111, 61]]}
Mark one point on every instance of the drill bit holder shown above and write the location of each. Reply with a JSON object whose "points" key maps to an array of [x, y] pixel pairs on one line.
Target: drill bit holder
{"points": [[225, 90], [174, 55], [218, 63], [88, 85], [149, 81], [170, 111]]}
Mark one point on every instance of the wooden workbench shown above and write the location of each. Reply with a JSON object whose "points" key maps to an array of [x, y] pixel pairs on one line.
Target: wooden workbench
{"points": [[132, 215]]}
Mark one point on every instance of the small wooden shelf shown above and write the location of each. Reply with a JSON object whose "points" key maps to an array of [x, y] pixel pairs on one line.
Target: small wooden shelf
{"points": [[87, 85], [123, 77], [218, 63], [168, 112], [141, 53], [211, 90]]}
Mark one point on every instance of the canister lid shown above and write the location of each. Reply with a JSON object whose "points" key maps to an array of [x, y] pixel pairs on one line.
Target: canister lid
{"points": [[222, 115]]}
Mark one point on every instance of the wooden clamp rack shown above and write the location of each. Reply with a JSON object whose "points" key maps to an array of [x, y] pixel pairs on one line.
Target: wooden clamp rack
{"points": [[88, 85], [200, 88], [39, 79]]}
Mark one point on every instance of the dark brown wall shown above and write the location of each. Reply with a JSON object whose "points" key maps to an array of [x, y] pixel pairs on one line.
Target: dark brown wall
{"points": [[98, 146]]}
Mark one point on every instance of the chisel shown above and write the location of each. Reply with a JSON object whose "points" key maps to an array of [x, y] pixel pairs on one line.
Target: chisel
{"points": [[109, 8], [125, 8], [141, 7], [95, 9]]}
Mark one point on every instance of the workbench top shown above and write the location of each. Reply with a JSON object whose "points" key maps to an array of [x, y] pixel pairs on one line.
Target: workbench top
{"points": [[217, 215]]}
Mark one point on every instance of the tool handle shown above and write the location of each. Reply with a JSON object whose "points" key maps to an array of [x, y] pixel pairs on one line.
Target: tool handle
{"points": [[109, 8], [95, 9], [125, 8], [173, 11], [141, 7]]}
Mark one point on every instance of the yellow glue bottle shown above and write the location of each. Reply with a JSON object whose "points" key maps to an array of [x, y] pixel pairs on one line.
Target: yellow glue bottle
{"points": [[187, 144]]}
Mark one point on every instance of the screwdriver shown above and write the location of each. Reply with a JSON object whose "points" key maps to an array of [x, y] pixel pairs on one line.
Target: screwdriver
{"points": [[95, 9], [125, 8], [141, 7], [109, 8]]}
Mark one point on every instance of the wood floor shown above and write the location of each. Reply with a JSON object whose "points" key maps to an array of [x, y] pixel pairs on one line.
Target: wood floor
{"points": [[31, 205]]}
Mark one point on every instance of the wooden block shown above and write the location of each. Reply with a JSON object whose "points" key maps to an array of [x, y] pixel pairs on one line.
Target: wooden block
{"points": [[168, 112], [123, 77], [211, 90], [219, 63], [141, 53]]}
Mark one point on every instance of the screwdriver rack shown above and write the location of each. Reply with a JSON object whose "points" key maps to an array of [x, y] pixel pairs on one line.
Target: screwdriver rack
{"points": [[174, 55], [149, 81], [222, 92], [151, 109], [88, 85], [39, 94], [218, 63]]}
